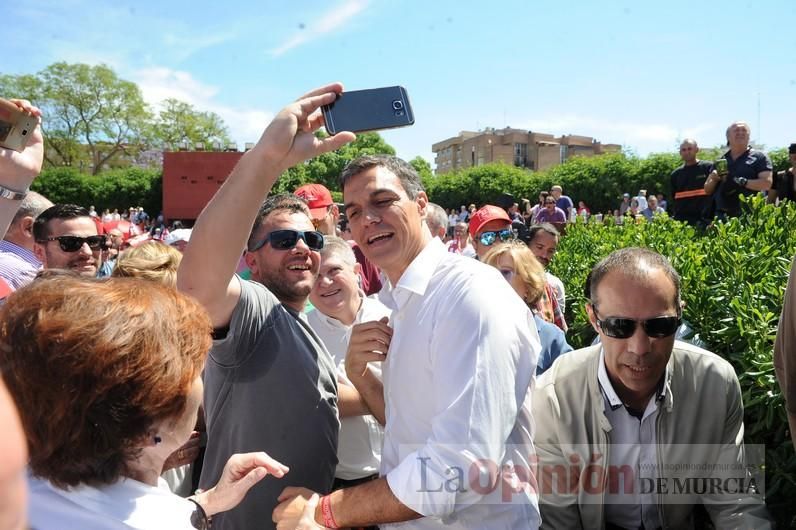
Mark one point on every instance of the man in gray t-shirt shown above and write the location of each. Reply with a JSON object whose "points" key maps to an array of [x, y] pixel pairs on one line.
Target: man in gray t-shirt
{"points": [[270, 384]]}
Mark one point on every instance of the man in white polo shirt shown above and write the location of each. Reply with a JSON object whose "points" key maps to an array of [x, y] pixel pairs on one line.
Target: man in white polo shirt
{"points": [[459, 357], [339, 304]]}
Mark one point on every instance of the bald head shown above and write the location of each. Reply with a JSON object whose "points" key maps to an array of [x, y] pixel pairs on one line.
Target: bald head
{"points": [[688, 151]]}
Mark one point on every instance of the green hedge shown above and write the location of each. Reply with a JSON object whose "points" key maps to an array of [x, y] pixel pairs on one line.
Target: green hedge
{"points": [[117, 188], [734, 276], [600, 181]]}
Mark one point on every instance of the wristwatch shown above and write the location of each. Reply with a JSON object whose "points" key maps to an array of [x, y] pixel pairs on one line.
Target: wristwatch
{"points": [[12, 195]]}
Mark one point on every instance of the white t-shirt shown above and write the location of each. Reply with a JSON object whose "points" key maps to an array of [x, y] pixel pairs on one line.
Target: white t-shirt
{"points": [[124, 505], [359, 444]]}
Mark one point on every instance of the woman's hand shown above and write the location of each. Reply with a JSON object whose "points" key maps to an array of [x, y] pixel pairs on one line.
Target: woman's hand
{"points": [[241, 473]]}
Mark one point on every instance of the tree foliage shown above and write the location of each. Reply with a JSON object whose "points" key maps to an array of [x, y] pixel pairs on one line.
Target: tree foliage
{"points": [[179, 122], [94, 120]]}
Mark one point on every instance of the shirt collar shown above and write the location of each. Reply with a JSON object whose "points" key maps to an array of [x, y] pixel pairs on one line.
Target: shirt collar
{"points": [[612, 397], [25, 254], [417, 276]]}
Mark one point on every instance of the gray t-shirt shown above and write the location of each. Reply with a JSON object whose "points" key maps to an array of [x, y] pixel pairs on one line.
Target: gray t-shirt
{"points": [[270, 386]]}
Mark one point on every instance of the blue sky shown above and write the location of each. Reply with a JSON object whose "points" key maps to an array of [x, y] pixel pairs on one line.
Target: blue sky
{"points": [[641, 74]]}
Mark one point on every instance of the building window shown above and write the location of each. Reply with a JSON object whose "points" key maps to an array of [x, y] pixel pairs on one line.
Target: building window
{"points": [[521, 155], [563, 153]]}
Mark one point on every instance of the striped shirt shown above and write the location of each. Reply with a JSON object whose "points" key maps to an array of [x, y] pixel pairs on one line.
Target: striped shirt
{"points": [[18, 266]]}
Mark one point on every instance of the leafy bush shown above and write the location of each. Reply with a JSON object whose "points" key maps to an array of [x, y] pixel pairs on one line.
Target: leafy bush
{"points": [[733, 280], [118, 188], [600, 181]]}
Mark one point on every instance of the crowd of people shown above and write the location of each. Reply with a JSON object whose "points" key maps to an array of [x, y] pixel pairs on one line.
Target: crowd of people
{"points": [[381, 365]]}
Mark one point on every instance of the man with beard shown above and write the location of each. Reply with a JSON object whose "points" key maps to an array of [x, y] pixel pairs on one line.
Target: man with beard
{"points": [[66, 238], [270, 384]]}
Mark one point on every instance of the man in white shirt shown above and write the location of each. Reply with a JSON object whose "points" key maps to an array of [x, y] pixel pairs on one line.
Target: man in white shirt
{"points": [[339, 304], [458, 358]]}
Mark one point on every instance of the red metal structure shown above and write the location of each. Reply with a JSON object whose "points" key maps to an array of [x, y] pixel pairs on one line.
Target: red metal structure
{"points": [[191, 178]]}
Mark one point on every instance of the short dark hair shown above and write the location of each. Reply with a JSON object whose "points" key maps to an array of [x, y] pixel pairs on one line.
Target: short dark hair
{"points": [[409, 178], [542, 227], [41, 228], [277, 203], [634, 262]]}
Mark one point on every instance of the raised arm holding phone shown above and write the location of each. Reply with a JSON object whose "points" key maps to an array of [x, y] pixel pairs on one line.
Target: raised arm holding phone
{"points": [[18, 168]]}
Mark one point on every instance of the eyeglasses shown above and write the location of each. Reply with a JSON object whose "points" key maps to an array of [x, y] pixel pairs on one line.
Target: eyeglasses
{"points": [[287, 239], [624, 328], [75, 243], [487, 238], [549, 202]]}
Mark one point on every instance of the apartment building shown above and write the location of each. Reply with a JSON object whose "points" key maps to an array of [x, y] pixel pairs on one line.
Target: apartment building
{"points": [[517, 147]]}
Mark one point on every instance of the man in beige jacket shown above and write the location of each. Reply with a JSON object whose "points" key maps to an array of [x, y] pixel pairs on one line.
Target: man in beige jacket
{"points": [[785, 351], [639, 430]]}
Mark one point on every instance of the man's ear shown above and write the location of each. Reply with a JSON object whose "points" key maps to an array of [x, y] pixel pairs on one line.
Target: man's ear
{"points": [[422, 203], [592, 317], [38, 251], [26, 226], [357, 268], [251, 262], [335, 213]]}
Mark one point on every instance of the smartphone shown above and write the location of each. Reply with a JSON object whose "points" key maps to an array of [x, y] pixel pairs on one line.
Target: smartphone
{"points": [[16, 126], [369, 110]]}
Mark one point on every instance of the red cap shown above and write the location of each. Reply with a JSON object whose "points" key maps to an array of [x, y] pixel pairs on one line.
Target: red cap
{"points": [[484, 215], [318, 199]]}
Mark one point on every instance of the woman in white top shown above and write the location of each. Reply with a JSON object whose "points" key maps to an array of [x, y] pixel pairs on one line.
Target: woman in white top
{"points": [[106, 377]]}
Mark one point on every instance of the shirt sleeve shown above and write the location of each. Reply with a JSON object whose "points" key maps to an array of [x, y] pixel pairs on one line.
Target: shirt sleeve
{"points": [[251, 315], [483, 364]]}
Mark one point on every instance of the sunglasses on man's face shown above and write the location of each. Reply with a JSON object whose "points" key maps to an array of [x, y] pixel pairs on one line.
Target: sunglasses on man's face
{"points": [[487, 238], [624, 328], [287, 239], [75, 243]]}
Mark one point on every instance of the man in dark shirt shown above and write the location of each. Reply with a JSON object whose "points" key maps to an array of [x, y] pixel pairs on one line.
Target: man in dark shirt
{"points": [[784, 186], [691, 204], [748, 171]]}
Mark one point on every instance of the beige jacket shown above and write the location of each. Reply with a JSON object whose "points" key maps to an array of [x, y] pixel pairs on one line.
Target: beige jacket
{"points": [[700, 420]]}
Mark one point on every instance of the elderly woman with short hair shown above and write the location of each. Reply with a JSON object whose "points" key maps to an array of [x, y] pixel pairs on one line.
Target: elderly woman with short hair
{"points": [[106, 378]]}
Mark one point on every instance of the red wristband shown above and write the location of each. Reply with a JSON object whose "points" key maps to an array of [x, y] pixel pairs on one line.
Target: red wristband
{"points": [[326, 512]]}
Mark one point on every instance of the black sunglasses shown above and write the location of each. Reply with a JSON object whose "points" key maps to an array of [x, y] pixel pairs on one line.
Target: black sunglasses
{"points": [[487, 238], [287, 239], [75, 243], [624, 328]]}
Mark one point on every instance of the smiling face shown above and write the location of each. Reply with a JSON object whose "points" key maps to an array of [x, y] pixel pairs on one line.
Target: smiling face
{"points": [[289, 274], [336, 290], [386, 224], [738, 135], [635, 365], [83, 261]]}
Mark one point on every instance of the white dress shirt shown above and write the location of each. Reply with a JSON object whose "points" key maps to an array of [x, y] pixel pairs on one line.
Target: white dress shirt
{"points": [[457, 387], [633, 444], [124, 505], [359, 444]]}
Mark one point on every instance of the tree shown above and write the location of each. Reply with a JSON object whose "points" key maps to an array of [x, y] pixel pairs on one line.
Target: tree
{"points": [[90, 115], [326, 168], [422, 167], [179, 122]]}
